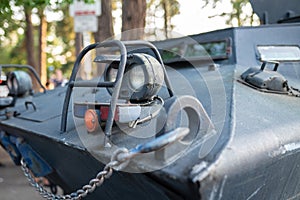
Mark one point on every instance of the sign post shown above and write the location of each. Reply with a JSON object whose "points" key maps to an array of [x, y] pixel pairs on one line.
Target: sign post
{"points": [[86, 21]]}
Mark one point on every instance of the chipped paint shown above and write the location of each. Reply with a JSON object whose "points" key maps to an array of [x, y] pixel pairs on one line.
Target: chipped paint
{"points": [[292, 146], [213, 192], [285, 149], [294, 197], [254, 193], [199, 167], [217, 190], [222, 187]]}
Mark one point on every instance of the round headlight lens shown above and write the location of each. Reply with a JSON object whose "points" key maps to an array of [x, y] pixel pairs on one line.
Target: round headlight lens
{"points": [[142, 79], [137, 77]]}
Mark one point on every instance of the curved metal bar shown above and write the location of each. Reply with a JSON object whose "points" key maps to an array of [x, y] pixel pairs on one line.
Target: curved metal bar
{"points": [[117, 83], [91, 84], [65, 109], [157, 54], [156, 144], [265, 62], [27, 67]]}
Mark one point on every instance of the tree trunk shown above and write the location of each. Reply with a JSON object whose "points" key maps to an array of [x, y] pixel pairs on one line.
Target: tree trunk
{"points": [[105, 22], [105, 30], [133, 17], [78, 43], [78, 48], [42, 72], [29, 44], [166, 14]]}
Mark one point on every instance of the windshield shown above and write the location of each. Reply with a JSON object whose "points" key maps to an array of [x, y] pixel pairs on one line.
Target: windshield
{"points": [[205, 50]]}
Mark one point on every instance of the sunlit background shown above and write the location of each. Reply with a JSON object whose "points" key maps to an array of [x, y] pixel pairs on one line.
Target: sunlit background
{"points": [[185, 17], [194, 17]]}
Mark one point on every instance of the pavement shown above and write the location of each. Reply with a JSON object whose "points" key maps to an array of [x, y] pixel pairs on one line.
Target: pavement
{"points": [[13, 184]]}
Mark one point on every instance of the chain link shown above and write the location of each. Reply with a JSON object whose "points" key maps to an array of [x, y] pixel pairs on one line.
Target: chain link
{"points": [[119, 160], [86, 189]]}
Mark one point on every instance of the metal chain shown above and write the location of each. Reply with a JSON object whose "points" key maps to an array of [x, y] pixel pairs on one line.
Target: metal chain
{"points": [[119, 160], [86, 189]]}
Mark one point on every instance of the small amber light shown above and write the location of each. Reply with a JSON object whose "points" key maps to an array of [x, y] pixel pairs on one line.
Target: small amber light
{"points": [[91, 120]]}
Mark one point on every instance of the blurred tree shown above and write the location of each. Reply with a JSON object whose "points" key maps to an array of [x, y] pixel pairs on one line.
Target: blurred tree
{"points": [[62, 32], [133, 19], [22, 40], [169, 8], [105, 22], [7, 23], [29, 42], [35, 49], [237, 14], [42, 57], [7, 8]]}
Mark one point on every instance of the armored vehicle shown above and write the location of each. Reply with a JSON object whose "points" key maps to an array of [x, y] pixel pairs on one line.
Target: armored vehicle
{"points": [[209, 116]]}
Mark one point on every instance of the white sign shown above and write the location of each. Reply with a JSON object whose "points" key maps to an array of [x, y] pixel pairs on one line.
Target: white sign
{"points": [[78, 8], [86, 23], [85, 15]]}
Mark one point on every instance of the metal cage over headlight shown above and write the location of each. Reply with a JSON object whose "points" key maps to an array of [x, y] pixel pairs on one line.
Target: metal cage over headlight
{"points": [[142, 79]]}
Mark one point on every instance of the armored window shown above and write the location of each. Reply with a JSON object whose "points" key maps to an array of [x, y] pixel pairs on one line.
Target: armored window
{"points": [[278, 53]]}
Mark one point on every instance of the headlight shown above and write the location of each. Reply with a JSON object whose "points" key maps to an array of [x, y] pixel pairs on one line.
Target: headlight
{"points": [[137, 77], [143, 77], [19, 83]]}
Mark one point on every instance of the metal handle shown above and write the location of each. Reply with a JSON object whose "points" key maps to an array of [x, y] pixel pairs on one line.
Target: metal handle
{"points": [[117, 83], [264, 64], [30, 103], [153, 145]]}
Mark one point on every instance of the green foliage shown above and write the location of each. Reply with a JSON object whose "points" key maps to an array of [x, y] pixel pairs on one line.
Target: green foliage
{"points": [[8, 25], [65, 37], [12, 27], [169, 8], [236, 14]]}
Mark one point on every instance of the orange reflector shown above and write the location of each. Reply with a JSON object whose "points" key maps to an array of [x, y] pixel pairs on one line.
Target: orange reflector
{"points": [[91, 120]]}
